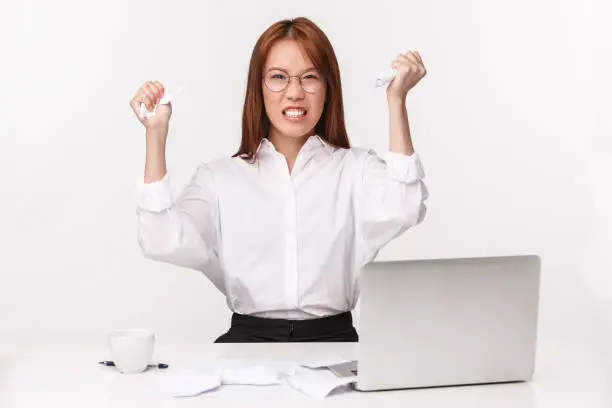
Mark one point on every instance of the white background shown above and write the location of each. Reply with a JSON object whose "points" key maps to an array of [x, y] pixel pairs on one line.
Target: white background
{"points": [[510, 122]]}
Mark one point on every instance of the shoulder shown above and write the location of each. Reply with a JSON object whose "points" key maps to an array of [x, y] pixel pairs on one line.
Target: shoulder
{"points": [[220, 164], [339, 152], [223, 168], [355, 155], [361, 152]]}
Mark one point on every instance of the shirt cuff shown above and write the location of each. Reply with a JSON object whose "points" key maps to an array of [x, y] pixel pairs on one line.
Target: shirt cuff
{"points": [[403, 167], [155, 196]]}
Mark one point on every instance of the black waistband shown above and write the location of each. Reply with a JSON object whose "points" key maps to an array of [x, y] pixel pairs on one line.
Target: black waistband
{"points": [[307, 327]]}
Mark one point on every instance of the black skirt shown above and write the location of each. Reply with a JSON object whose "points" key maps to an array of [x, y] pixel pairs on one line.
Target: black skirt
{"points": [[249, 329]]}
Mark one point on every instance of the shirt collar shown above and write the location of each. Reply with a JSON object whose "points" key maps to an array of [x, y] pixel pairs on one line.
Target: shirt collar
{"points": [[313, 143]]}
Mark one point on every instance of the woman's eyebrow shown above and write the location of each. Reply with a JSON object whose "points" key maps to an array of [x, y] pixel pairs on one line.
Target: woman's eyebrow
{"points": [[285, 70]]}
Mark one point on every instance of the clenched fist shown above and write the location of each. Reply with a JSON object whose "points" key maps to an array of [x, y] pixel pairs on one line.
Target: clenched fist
{"points": [[150, 93], [410, 70]]}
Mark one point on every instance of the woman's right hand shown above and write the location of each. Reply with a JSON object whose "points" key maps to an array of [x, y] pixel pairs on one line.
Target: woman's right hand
{"points": [[150, 93]]}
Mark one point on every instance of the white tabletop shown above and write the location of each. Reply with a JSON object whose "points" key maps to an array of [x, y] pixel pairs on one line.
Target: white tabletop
{"points": [[69, 376]]}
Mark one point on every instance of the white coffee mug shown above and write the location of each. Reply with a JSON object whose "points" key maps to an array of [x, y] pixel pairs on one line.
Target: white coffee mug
{"points": [[131, 349]]}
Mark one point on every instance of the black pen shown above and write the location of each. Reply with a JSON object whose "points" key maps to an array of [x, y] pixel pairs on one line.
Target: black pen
{"points": [[112, 364]]}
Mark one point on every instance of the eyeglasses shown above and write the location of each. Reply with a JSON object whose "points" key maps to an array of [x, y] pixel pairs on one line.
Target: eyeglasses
{"points": [[278, 80]]}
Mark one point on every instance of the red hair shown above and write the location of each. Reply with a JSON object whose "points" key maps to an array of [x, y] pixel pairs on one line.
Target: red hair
{"points": [[316, 45]]}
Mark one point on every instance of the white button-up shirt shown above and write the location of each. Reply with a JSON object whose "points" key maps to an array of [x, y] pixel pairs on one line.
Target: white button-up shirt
{"points": [[280, 244]]}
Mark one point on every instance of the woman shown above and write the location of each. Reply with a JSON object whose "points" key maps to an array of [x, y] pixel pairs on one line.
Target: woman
{"points": [[283, 227]]}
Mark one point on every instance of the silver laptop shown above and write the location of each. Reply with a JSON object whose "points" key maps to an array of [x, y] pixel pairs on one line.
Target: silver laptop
{"points": [[445, 322]]}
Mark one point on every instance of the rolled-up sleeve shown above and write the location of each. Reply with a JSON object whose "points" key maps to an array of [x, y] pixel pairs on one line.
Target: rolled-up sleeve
{"points": [[181, 232], [392, 199]]}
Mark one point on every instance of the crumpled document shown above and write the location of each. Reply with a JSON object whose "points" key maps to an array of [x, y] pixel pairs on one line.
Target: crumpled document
{"points": [[189, 383], [311, 377], [385, 77]]}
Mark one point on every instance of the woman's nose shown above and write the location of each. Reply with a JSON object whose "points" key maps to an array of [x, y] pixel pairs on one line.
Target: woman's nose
{"points": [[294, 89]]}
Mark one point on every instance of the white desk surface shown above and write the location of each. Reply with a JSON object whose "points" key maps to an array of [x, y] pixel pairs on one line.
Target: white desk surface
{"points": [[68, 376]]}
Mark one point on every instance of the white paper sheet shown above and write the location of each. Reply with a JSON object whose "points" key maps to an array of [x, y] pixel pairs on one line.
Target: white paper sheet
{"points": [[260, 375], [309, 377], [318, 382], [385, 77], [189, 383]]}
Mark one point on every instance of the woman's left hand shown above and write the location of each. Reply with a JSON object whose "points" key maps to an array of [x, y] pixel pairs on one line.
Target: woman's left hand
{"points": [[410, 70]]}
